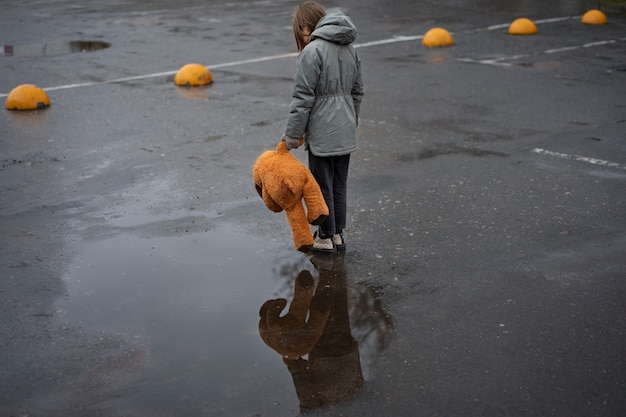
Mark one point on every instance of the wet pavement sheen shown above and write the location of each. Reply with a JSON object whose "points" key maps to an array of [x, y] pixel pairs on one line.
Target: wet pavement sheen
{"points": [[190, 305], [141, 275]]}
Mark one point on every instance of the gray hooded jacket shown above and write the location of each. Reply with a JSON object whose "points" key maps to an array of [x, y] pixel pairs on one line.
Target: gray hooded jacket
{"points": [[328, 89]]}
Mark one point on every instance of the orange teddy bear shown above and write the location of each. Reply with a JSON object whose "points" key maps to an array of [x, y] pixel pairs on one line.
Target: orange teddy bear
{"points": [[283, 182], [296, 333]]}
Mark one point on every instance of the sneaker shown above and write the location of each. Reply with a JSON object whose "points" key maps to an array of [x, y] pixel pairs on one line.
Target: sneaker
{"points": [[340, 244], [323, 245]]}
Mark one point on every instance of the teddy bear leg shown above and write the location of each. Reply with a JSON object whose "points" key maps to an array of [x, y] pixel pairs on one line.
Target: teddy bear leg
{"points": [[316, 221], [317, 210], [302, 237], [304, 289]]}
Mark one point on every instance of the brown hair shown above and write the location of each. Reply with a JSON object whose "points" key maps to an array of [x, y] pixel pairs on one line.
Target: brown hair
{"points": [[306, 15]]}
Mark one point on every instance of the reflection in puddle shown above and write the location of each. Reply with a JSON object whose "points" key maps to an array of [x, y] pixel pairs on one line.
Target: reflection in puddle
{"points": [[191, 302], [194, 93], [54, 48], [315, 337]]}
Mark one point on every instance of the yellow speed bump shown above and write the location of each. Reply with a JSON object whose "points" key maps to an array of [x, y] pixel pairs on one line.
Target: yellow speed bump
{"points": [[594, 17], [522, 26], [193, 75], [27, 97], [437, 37]]}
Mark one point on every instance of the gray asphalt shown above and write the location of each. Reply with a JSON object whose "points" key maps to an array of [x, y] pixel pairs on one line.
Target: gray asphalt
{"points": [[486, 245]]}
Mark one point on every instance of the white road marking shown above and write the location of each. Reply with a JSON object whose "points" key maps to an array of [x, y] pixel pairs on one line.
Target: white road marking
{"points": [[585, 45], [537, 22], [593, 161], [495, 61], [502, 61], [389, 40], [163, 74]]}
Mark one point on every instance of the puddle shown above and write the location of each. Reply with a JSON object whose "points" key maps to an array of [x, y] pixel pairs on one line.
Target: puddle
{"points": [[449, 149], [193, 303], [543, 65], [54, 48]]}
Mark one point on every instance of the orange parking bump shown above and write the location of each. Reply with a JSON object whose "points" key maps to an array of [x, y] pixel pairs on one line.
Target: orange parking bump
{"points": [[192, 75], [522, 26], [594, 17], [27, 97], [437, 37]]}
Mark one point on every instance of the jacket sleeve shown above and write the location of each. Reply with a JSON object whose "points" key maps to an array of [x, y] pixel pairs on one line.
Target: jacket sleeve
{"points": [[357, 88], [308, 69]]}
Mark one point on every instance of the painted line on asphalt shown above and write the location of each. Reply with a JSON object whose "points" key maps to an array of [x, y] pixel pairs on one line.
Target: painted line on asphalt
{"points": [[394, 39], [538, 22], [593, 161], [585, 45], [502, 60], [162, 74]]}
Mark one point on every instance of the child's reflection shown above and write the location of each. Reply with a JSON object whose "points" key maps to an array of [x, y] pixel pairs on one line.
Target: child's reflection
{"points": [[332, 371]]}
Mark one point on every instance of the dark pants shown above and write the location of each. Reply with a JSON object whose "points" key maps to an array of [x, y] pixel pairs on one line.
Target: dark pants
{"points": [[331, 173]]}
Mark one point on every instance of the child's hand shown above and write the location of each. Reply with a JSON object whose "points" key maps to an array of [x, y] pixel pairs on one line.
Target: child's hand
{"points": [[292, 143]]}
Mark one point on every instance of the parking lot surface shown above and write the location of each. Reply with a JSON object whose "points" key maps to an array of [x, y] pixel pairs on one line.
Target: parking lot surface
{"points": [[485, 265]]}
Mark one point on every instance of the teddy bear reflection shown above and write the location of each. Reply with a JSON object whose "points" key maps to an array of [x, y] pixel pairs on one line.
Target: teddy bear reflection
{"points": [[331, 373]]}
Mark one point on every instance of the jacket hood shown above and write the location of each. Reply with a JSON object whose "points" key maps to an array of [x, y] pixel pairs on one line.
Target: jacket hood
{"points": [[335, 27]]}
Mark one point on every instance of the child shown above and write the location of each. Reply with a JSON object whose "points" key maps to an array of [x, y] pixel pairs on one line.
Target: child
{"points": [[325, 109]]}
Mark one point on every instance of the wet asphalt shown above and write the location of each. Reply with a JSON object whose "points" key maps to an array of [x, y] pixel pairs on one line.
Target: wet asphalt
{"points": [[486, 247]]}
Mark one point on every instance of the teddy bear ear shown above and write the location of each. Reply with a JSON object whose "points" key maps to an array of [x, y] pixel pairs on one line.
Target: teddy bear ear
{"points": [[270, 311], [286, 189]]}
